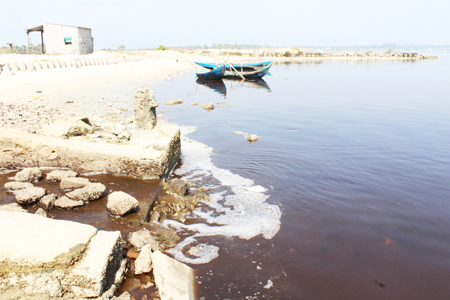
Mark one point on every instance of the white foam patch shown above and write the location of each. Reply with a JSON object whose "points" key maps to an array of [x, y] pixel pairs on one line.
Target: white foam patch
{"points": [[205, 253], [239, 210]]}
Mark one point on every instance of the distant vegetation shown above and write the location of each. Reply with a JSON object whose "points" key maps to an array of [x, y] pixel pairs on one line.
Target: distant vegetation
{"points": [[161, 48], [33, 49]]}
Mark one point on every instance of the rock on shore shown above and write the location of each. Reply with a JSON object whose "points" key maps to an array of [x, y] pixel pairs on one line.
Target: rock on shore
{"points": [[90, 192], [120, 203], [30, 195], [28, 175]]}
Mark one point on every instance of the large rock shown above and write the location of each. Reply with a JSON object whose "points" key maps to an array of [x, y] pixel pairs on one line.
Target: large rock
{"points": [[14, 185], [47, 202], [67, 203], [143, 264], [30, 195], [145, 109], [90, 192], [28, 175], [174, 280], [43, 258], [58, 175], [151, 155], [74, 183], [167, 238], [120, 203], [66, 129], [12, 207], [141, 238], [178, 186]]}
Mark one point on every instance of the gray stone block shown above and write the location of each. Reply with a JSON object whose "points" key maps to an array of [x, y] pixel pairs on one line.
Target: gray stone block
{"points": [[22, 66], [44, 65]]}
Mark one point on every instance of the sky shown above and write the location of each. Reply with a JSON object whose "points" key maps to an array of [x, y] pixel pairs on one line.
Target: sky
{"points": [[148, 23]]}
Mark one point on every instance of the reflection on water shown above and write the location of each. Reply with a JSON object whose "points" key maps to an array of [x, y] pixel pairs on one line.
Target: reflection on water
{"points": [[219, 85]]}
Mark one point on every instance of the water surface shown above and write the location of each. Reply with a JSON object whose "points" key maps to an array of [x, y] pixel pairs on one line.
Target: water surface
{"points": [[357, 157]]}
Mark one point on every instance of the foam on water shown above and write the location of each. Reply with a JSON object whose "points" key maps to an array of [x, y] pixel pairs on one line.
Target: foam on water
{"points": [[237, 207]]}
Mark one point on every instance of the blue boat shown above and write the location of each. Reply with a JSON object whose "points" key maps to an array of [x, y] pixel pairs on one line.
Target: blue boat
{"points": [[256, 73], [239, 67], [215, 73]]}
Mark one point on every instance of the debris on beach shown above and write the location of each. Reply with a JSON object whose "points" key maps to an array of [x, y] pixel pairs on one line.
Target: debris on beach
{"points": [[208, 106], [252, 138]]}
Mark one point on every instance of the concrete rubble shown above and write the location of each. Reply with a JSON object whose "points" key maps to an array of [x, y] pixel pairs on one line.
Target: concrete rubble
{"points": [[73, 183], [174, 279], [30, 195], [28, 175], [151, 157], [42, 258], [14, 185], [90, 192], [59, 175]]}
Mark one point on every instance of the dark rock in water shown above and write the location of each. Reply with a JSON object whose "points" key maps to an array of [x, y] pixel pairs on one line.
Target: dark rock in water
{"points": [[145, 109], [178, 186], [30, 195], [166, 237], [28, 175]]}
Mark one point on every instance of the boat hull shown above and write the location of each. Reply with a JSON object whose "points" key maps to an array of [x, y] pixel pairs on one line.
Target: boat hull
{"points": [[215, 73]]}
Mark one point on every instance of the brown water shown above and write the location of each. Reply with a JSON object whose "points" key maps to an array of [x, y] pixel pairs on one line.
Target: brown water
{"points": [[356, 157]]}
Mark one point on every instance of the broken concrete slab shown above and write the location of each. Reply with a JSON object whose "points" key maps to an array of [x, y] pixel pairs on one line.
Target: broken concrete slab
{"points": [[151, 154], [30, 195], [29, 240], [12, 207], [67, 203], [143, 264], [42, 258], [174, 280], [58, 175], [90, 192], [47, 202], [96, 271], [66, 129], [73, 183], [28, 175], [14, 185]]}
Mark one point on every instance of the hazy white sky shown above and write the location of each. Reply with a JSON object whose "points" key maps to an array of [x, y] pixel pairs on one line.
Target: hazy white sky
{"points": [[150, 23]]}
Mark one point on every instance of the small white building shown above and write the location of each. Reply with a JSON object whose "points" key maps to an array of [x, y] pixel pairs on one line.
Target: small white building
{"points": [[65, 39]]}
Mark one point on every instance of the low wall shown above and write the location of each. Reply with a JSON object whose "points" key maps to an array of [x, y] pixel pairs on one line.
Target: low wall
{"points": [[52, 62]]}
